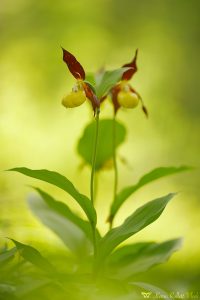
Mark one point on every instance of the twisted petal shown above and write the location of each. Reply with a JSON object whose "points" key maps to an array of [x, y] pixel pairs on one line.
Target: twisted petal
{"points": [[91, 96], [144, 109], [74, 66], [114, 93], [129, 73]]}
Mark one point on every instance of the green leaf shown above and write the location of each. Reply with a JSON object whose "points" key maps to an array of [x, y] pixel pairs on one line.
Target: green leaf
{"points": [[105, 142], [141, 218], [147, 178], [7, 291], [7, 255], [75, 232], [109, 79], [8, 262], [33, 256], [63, 183], [160, 293], [25, 288], [136, 258], [91, 86], [90, 78]]}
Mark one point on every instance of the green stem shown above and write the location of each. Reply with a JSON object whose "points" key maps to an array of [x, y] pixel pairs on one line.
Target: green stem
{"points": [[93, 175], [115, 165], [94, 240], [94, 159], [96, 181]]}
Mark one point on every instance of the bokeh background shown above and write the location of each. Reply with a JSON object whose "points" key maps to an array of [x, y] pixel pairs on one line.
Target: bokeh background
{"points": [[37, 132]]}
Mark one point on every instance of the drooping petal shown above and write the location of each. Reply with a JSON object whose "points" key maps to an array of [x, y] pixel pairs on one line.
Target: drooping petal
{"points": [[114, 93], [129, 73], [91, 96], [144, 109], [74, 66]]}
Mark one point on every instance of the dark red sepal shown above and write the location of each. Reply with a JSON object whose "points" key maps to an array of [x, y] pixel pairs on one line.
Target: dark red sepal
{"points": [[114, 93], [92, 97], [145, 111], [103, 98], [129, 74], [73, 65]]}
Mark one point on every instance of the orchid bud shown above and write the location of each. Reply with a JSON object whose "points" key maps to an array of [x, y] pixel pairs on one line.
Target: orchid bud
{"points": [[128, 99]]}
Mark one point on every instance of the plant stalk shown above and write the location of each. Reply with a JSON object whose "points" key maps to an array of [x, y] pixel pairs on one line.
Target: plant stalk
{"points": [[93, 175], [96, 182], [114, 165], [94, 159]]}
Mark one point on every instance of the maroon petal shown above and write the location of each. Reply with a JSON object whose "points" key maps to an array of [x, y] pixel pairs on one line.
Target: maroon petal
{"points": [[144, 109], [92, 97], [114, 93], [73, 65], [129, 74]]}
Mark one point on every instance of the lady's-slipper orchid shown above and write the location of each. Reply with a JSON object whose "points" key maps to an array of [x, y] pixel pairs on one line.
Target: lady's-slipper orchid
{"points": [[123, 94], [82, 90]]}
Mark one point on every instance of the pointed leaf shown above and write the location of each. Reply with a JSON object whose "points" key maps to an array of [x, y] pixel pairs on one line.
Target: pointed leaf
{"points": [[63, 183], [147, 178], [136, 258], [99, 75], [141, 218], [91, 86], [29, 285], [109, 79], [105, 142], [90, 78], [33, 256], [75, 232], [7, 291], [73, 65], [7, 255]]}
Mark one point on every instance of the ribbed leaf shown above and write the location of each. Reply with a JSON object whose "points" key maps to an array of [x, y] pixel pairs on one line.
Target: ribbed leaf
{"points": [[109, 79], [7, 255], [105, 142], [29, 285], [136, 258], [141, 218], [75, 232], [33, 256], [147, 178], [7, 291], [90, 78], [64, 184]]}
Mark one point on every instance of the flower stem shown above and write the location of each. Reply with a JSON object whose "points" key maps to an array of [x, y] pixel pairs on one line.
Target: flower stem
{"points": [[94, 159], [93, 175], [115, 165], [96, 182]]}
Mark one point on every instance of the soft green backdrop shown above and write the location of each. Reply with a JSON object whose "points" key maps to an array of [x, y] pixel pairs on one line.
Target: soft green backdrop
{"points": [[37, 132]]}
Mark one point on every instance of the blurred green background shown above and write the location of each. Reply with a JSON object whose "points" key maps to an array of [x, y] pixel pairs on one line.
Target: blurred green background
{"points": [[37, 132]]}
